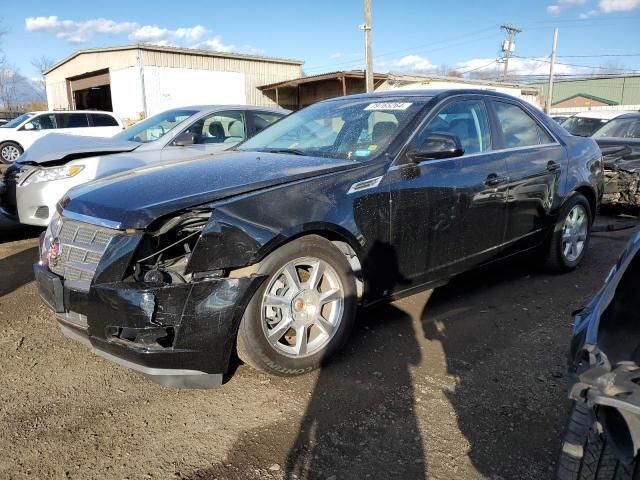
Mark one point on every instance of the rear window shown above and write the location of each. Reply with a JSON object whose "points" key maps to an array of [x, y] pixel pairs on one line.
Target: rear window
{"points": [[102, 120], [72, 120]]}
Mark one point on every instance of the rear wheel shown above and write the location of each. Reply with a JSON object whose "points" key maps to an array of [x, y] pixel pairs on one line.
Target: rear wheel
{"points": [[9, 152], [586, 452], [570, 237], [304, 310]]}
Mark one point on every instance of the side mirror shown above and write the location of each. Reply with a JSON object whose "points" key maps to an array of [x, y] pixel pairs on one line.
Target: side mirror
{"points": [[184, 139], [29, 126], [437, 146]]}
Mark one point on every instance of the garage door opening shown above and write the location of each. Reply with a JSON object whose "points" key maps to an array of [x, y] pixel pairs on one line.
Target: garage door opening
{"points": [[91, 91], [94, 98]]}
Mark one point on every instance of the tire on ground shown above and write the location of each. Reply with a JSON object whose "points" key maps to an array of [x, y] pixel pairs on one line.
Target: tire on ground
{"points": [[587, 454], [555, 259], [7, 145], [252, 345]]}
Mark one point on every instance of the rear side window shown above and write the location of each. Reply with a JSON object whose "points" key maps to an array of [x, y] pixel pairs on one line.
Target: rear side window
{"points": [[72, 120], [262, 120], [518, 128], [102, 120]]}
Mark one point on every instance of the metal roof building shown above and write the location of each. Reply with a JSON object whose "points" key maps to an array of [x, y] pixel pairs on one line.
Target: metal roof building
{"points": [[608, 92], [135, 81]]}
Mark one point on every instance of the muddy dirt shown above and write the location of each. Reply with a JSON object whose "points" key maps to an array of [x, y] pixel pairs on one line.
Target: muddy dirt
{"points": [[464, 382]]}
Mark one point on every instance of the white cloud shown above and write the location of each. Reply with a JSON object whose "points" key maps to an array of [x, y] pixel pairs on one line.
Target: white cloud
{"points": [[518, 66], [157, 35], [608, 6], [413, 63], [82, 32], [562, 5], [588, 14], [77, 32]]}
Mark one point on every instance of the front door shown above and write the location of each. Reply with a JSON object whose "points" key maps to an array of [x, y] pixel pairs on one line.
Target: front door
{"points": [[448, 215]]}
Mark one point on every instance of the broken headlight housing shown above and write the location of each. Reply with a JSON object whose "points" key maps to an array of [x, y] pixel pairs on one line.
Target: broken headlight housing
{"points": [[165, 250], [55, 173]]}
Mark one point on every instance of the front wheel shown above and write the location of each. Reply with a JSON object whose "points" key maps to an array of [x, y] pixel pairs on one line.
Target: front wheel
{"points": [[9, 152], [570, 237], [304, 310], [586, 452]]}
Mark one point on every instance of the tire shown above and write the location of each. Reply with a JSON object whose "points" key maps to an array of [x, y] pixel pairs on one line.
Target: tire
{"points": [[573, 231], [586, 453], [286, 310], [9, 152]]}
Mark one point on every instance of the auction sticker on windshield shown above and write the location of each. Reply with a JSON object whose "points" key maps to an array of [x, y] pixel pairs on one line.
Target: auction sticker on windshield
{"points": [[388, 106]]}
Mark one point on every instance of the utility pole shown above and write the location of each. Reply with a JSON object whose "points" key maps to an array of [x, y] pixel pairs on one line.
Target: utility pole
{"points": [[367, 46], [508, 46], [553, 61]]}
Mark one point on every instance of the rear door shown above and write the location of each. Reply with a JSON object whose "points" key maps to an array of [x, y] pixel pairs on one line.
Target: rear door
{"points": [[258, 121], [536, 164], [449, 214], [74, 124]]}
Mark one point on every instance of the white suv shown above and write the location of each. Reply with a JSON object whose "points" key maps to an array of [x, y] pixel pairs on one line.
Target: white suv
{"points": [[20, 133]]}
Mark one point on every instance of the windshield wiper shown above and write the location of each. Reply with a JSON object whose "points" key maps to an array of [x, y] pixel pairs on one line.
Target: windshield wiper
{"points": [[291, 151]]}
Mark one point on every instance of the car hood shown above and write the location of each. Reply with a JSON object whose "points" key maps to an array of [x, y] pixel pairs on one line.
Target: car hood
{"points": [[620, 153], [136, 198], [58, 148]]}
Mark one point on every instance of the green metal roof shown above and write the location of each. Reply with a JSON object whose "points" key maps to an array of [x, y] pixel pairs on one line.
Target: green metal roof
{"points": [[620, 90], [586, 95]]}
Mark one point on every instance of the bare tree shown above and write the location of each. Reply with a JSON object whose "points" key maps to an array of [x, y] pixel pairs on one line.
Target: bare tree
{"points": [[42, 64]]}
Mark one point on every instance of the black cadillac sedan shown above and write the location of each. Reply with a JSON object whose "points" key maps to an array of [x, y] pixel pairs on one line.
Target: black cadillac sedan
{"points": [[268, 250]]}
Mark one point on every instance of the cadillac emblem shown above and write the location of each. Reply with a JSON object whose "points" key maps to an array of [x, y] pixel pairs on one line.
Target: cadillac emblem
{"points": [[54, 252]]}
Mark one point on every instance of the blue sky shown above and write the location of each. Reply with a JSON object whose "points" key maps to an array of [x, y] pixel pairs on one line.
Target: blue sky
{"points": [[409, 35]]}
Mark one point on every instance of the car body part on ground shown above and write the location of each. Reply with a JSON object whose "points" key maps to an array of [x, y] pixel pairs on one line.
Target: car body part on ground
{"points": [[19, 134], [57, 163], [605, 366], [585, 124], [350, 201]]}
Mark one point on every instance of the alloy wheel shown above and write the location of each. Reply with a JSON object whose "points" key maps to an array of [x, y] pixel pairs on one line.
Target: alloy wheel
{"points": [[9, 153], [302, 307], [574, 233]]}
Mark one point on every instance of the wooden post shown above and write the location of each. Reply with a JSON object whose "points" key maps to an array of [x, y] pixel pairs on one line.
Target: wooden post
{"points": [[344, 85]]}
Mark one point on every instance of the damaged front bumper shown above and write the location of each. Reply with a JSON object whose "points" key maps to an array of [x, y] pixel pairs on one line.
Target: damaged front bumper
{"points": [[179, 335]]}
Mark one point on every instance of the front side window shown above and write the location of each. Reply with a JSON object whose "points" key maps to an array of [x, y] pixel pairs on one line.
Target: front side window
{"points": [[518, 128], [355, 129], [46, 121], [467, 120], [220, 127], [72, 120], [155, 127], [621, 127]]}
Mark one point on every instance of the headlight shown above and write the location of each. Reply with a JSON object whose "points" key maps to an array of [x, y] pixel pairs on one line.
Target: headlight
{"points": [[55, 173]]}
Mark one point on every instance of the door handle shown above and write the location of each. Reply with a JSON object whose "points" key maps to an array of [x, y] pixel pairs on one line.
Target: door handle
{"points": [[494, 179], [553, 166]]}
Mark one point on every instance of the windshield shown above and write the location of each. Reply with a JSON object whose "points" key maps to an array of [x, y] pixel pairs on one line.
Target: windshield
{"points": [[17, 121], [155, 127], [581, 126], [621, 127], [347, 129]]}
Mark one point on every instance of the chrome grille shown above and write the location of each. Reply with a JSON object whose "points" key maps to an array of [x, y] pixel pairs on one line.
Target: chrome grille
{"points": [[81, 247]]}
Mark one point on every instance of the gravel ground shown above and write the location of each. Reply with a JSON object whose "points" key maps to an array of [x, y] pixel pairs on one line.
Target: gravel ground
{"points": [[464, 382]]}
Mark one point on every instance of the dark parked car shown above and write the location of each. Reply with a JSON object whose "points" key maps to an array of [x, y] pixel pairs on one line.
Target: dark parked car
{"points": [[272, 246], [603, 435]]}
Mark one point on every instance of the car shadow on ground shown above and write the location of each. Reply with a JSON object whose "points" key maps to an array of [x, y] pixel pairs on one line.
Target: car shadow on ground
{"points": [[17, 270], [11, 231]]}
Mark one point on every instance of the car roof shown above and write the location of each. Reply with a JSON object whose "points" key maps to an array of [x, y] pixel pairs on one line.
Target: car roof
{"points": [[203, 108], [601, 114], [635, 115], [426, 94]]}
